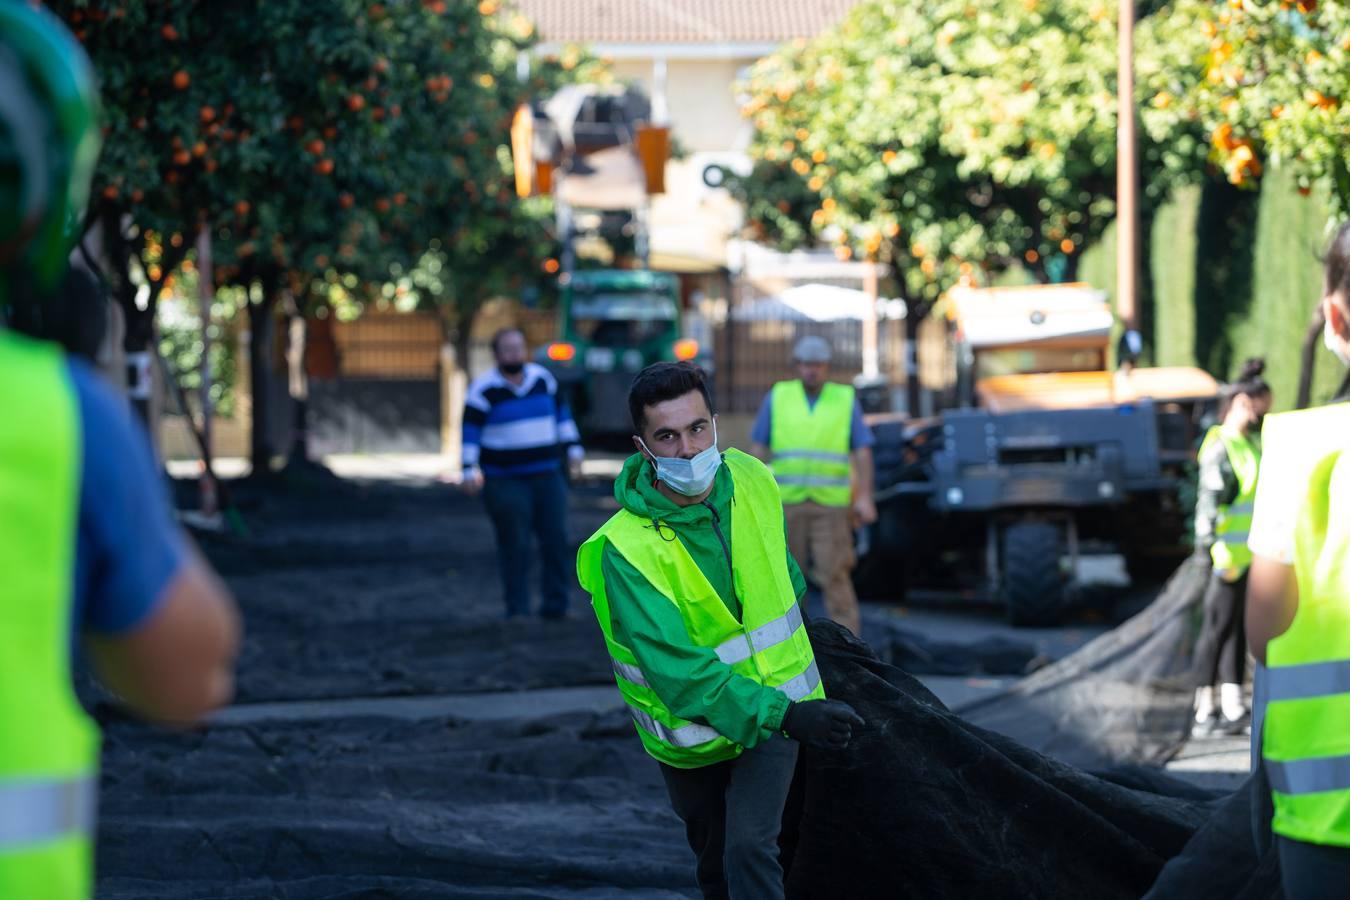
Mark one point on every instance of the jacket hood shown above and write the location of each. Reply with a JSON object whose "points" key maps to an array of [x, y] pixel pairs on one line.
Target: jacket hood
{"points": [[635, 493]]}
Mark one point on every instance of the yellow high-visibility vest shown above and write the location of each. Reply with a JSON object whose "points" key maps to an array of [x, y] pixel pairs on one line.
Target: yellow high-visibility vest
{"points": [[810, 444], [48, 746], [1230, 553], [767, 644]]}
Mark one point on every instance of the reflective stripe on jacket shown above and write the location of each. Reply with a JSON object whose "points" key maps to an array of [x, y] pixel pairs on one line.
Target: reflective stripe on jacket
{"points": [[810, 443], [48, 746], [767, 644], [1306, 735]]}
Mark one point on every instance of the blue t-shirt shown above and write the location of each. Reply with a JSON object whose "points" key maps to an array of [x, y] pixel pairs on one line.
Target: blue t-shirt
{"points": [[859, 435], [129, 547]]}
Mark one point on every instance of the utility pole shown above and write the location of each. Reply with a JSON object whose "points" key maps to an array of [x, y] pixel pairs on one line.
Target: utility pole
{"points": [[1127, 191]]}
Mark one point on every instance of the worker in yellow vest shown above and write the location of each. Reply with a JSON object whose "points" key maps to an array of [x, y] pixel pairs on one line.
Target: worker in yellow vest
{"points": [[88, 546], [1298, 622], [812, 431], [1230, 458], [698, 600]]}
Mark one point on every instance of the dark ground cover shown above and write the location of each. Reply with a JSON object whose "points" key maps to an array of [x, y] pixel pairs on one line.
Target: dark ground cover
{"points": [[359, 592]]}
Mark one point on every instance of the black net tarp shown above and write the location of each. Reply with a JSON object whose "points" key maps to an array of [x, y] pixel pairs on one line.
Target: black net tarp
{"points": [[1125, 697], [392, 593], [923, 805]]}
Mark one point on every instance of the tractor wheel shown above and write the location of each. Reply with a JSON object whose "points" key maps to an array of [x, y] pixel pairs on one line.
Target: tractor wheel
{"points": [[1033, 585]]}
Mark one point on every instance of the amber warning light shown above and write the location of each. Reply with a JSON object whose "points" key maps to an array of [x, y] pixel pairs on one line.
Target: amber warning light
{"points": [[686, 349], [561, 352]]}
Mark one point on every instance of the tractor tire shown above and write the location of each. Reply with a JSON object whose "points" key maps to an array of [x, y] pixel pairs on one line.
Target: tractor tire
{"points": [[1033, 586]]}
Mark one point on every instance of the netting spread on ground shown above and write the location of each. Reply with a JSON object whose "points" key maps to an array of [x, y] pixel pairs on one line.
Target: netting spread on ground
{"points": [[924, 805]]}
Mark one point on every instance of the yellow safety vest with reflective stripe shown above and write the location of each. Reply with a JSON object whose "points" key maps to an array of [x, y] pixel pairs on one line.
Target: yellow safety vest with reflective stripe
{"points": [[810, 443], [768, 644], [48, 746], [1306, 742], [1230, 553]]}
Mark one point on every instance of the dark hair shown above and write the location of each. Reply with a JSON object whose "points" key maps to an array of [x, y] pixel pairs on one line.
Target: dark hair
{"points": [[664, 381], [1249, 382], [1338, 264], [501, 333]]}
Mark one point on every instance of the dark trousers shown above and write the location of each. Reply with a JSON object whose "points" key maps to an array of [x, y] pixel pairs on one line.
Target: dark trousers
{"points": [[1313, 871], [524, 508], [732, 813], [1221, 652]]}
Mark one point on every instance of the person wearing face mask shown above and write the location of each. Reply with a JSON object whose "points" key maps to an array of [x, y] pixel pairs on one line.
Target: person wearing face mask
{"points": [[516, 427], [698, 599], [813, 432], [1230, 458], [1298, 620]]}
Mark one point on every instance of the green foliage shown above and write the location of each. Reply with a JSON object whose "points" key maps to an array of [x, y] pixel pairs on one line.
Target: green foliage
{"points": [[321, 141]]}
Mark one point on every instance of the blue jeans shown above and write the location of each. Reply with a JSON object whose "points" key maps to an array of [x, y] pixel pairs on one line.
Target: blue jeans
{"points": [[524, 508], [732, 813]]}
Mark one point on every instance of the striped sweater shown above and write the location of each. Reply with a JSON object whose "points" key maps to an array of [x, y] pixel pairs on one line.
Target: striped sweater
{"points": [[512, 430]]}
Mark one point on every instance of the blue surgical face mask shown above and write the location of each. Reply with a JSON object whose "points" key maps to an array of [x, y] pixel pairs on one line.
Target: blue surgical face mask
{"points": [[689, 477]]}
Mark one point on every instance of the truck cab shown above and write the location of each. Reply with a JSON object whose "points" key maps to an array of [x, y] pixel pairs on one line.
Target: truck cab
{"points": [[611, 324]]}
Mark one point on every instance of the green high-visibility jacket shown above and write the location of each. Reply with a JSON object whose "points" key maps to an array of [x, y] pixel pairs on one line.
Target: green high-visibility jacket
{"points": [[1229, 552], [701, 615], [810, 443], [48, 746], [1306, 738]]}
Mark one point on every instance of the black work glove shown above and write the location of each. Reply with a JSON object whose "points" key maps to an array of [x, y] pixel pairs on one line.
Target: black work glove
{"points": [[821, 723]]}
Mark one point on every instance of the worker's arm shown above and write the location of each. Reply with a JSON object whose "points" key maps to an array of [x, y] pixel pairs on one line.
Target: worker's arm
{"points": [[864, 475], [476, 409], [692, 682], [1272, 601], [762, 431], [1216, 486], [178, 665], [159, 627], [794, 571]]}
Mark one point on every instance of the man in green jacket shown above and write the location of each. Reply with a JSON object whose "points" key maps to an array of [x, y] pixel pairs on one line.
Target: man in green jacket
{"points": [[697, 596]]}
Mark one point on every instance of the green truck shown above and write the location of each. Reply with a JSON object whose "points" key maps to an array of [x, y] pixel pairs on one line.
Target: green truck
{"points": [[611, 324]]}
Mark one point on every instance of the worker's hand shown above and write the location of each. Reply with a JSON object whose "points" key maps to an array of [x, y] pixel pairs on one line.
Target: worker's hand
{"points": [[472, 482], [827, 724], [864, 512]]}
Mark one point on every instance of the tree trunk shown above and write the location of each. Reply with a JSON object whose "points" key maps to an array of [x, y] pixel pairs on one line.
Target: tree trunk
{"points": [[913, 390], [260, 342], [1309, 358], [298, 383]]}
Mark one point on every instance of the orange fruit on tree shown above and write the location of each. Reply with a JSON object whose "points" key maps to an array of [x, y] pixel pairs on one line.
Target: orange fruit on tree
{"points": [[110, 192], [315, 147], [324, 167], [241, 208], [346, 201], [181, 80], [137, 195], [330, 132], [382, 205], [169, 33], [199, 149], [207, 114], [210, 164], [400, 198], [182, 157], [356, 102], [1066, 246]]}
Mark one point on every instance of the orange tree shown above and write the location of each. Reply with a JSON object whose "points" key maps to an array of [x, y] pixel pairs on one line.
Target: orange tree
{"points": [[942, 137], [1268, 82], [310, 138]]}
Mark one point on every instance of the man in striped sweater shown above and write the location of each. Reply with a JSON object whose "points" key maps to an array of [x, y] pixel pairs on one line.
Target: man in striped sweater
{"points": [[517, 433]]}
